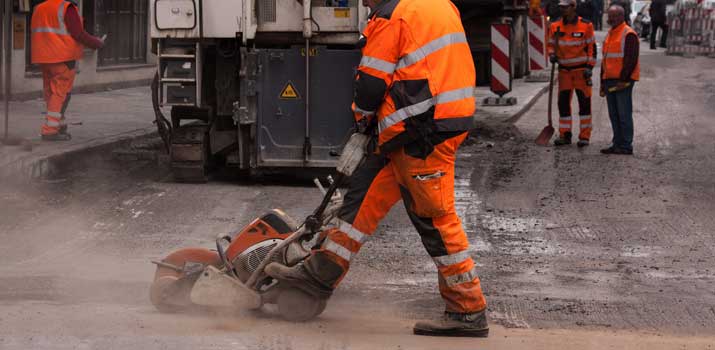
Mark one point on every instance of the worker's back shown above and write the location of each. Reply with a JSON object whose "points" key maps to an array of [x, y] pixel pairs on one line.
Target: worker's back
{"points": [[51, 41]]}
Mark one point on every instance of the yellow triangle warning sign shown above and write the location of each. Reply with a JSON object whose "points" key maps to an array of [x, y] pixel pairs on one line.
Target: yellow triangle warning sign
{"points": [[289, 92]]}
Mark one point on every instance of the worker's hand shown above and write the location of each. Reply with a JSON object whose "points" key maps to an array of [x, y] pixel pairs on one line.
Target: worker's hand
{"points": [[553, 59], [364, 125], [103, 39], [621, 85], [602, 92], [587, 74]]}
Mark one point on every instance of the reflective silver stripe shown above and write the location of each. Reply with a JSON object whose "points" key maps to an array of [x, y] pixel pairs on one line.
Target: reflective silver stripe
{"points": [[62, 30], [613, 55], [431, 47], [565, 126], [338, 249], [565, 118], [357, 109], [624, 32], [52, 123], [571, 42], [451, 259], [352, 232], [573, 60], [461, 278], [590, 40], [583, 117], [421, 107], [586, 126], [378, 64]]}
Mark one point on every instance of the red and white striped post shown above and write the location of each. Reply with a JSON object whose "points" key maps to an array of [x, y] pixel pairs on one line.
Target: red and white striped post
{"points": [[501, 62], [537, 43]]}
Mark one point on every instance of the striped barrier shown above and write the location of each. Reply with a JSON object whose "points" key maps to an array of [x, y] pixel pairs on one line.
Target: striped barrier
{"points": [[692, 32], [537, 43], [501, 64]]}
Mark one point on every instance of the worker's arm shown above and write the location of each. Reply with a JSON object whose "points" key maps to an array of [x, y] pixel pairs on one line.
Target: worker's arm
{"points": [[380, 52], [74, 26], [591, 46], [630, 56]]}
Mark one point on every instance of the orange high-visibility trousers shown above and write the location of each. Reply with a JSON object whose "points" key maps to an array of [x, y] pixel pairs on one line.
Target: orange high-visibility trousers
{"points": [[426, 185], [58, 79], [570, 80]]}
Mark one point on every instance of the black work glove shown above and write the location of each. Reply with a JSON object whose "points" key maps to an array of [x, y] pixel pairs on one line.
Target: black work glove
{"points": [[364, 125], [553, 59], [587, 74]]}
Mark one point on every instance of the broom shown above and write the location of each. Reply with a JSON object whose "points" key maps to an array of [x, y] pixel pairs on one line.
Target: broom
{"points": [[548, 131]]}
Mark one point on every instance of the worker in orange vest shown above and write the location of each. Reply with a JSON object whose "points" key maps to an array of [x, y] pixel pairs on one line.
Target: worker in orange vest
{"points": [[58, 39], [620, 70], [414, 92], [573, 45]]}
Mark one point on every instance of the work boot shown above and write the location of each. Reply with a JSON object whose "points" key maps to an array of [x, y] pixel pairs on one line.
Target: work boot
{"points": [[562, 141], [298, 277], [582, 143], [616, 150], [57, 137], [455, 324]]}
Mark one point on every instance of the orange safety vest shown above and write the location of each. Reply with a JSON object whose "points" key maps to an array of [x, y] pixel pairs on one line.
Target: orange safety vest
{"points": [[613, 47], [51, 41], [416, 73], [576, 46]]}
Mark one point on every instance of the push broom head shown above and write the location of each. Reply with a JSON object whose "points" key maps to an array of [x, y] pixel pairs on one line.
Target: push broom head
{"points": [[545, 136]]}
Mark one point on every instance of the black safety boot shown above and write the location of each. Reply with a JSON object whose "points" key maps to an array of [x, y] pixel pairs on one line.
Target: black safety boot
{"points": [[57, 137], [298, 277], [455, 325], [582, 143], [563, 140]]}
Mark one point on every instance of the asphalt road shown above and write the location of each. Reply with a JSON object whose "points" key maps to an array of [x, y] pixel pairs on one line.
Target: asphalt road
{"points": [[573, 247]]}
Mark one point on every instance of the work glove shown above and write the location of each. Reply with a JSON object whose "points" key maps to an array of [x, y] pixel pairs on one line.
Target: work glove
{"points": [[364, 125], [553, 59], [587, 74]]}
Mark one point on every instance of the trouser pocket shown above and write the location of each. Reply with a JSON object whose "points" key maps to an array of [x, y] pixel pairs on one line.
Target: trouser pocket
{"points": [[427, 188]]}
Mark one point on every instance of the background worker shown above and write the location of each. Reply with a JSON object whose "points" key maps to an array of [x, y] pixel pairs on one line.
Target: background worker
{"points": [[572, 44], [415, 88], [620, 70], [58, 38], [658, 19]]}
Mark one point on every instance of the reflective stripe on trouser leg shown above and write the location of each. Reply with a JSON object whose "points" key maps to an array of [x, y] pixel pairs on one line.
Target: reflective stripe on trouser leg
{"points": [[583, 94], [442, 235], [371, 193], [564, 102], [57, 83]]}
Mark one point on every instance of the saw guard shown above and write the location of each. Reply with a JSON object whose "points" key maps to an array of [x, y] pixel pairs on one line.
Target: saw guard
{"points": [[217, 289], [175, 276]]}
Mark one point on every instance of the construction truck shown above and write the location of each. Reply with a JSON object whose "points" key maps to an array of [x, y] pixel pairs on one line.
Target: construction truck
{"points": [[252, 84]]}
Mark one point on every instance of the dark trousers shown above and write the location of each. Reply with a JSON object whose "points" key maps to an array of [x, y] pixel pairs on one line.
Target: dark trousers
{"points": [[654, 32], [620, 111]]}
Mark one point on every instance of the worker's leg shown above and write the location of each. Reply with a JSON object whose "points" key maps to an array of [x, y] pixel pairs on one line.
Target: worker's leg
{"points": [[624, 100], [371, 193], [613, 115], [583, 94], [427, 187], [564, 102], [60, 80]]}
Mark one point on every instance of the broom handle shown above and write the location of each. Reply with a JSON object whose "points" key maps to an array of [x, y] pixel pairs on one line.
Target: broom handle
{"points": [[551, 92]]}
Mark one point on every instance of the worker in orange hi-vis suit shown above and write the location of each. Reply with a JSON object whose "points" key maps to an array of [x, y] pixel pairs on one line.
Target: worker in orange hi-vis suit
{"points": [[414, 89], [57, 42], [573, 45]]}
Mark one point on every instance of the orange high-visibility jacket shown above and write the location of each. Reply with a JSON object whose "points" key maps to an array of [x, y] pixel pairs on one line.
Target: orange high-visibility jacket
{"points": [[613, 47], [51, 41], [576, 46], [416, 74]]}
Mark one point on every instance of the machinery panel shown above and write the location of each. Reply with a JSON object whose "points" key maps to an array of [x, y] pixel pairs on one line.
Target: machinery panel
{"points": [[281, 124]]}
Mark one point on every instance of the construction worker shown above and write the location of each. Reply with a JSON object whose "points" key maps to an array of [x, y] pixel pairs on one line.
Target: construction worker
{"points": [[413, 89], [620, 70], [58, 39], [572, 44]]}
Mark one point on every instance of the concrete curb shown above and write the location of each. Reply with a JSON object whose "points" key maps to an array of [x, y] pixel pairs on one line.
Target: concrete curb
{"points": [[515, 118], [37, 166]]}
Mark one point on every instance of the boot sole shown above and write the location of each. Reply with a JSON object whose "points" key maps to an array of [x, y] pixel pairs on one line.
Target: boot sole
{"points": [[476, 333]]}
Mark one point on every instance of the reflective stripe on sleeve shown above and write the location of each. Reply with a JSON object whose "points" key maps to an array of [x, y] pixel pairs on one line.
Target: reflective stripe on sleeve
{"points": [[451, 259], [378, 64], [421, 107], [431, 47], [461, 278]]}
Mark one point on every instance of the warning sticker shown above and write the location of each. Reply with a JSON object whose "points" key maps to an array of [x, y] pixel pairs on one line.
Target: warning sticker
{"points": [[289, 92], [342, 12]]}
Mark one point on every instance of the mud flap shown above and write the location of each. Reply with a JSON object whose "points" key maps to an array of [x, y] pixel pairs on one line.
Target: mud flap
{"points": [[216, 289]]}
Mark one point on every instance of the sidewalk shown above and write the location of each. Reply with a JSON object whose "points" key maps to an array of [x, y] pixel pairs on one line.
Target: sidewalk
{"points": [[526, 94], [105, 117], [110, 117]]}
